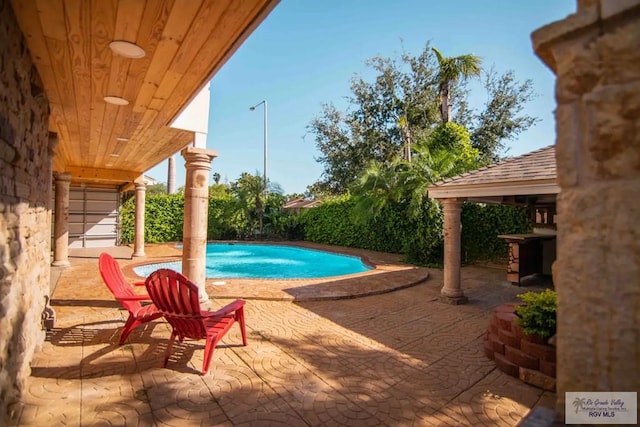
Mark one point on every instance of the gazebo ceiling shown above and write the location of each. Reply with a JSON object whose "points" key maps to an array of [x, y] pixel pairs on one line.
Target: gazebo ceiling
{"points": [[532, 174], [185, 43]]}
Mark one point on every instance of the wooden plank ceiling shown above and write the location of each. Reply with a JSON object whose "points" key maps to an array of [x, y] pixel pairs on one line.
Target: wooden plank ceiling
{"points": [[186, 42]]}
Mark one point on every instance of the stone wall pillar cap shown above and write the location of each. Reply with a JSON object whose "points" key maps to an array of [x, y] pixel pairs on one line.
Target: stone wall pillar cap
{"points": [[62, 176], [544, 37]]}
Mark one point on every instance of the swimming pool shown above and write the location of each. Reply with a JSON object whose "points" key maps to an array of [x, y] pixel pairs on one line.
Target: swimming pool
{"points": [[235, 260]]}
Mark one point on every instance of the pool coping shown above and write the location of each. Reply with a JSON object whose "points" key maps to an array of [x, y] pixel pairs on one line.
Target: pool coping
{"points": [[388, 274]]}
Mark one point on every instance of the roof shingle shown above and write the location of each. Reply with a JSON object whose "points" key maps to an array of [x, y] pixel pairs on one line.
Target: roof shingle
{"points": [[535, 166]]}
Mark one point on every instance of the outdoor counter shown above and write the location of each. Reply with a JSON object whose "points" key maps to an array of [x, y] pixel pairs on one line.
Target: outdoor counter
{"points": [[525, 254]]}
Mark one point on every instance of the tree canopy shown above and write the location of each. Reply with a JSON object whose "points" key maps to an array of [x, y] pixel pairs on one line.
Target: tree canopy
{"points": [[401, 107], [155, 189]]}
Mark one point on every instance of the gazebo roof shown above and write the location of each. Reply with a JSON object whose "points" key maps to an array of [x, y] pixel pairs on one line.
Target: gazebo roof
{"points": [[530, 174]]}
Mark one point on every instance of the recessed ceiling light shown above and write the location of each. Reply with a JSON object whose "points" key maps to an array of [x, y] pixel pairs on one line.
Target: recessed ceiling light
{"points": [[115, 100], [122, 139], [127, 49]]}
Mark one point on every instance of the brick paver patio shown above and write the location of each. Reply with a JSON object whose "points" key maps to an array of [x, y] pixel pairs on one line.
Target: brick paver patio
{"points": [[395, 358]]}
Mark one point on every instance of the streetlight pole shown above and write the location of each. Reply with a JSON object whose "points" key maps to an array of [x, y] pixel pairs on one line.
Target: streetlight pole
{"points": [[266, 188]]}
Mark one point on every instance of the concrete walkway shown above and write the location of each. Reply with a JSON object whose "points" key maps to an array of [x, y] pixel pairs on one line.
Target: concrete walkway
{"points": [[397, 358]]}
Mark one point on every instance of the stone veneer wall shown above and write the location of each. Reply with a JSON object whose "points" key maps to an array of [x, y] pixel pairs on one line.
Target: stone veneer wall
{"points": [[595, 54], [25, 216]]}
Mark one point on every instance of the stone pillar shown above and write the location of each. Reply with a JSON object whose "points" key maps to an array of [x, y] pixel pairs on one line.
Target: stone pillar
{"points": [[452, 289], [49, 314], [138, 243], [196, 211], [61, 221], [595, 54], [51, 150]]}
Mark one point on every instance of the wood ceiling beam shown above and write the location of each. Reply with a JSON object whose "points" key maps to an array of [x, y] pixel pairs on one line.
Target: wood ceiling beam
{"points": [[101, 175]]}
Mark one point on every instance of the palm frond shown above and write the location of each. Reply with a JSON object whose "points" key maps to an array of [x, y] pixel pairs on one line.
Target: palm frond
{"points": [[467, 65], [439, 56]]}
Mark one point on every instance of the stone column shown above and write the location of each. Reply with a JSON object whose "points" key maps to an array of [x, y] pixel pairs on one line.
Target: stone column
{"points": [[61, 221], [51, 150], [595, 54], [48, 313], [452, 289], [196, 211], [138, 243]]}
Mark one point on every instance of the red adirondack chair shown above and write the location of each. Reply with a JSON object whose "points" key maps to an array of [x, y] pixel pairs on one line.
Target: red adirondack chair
{"points": [[123, 293], [177, 299]]}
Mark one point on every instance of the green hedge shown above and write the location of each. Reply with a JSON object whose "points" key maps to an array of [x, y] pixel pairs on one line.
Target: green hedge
{"points": [[331, 224], [481, 225], [222, 224], [164, 218], [419, 239], [334, 222]]}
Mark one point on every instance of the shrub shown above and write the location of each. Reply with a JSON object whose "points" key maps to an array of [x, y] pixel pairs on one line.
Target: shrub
{"points": [[454, 138], [537, 315]]}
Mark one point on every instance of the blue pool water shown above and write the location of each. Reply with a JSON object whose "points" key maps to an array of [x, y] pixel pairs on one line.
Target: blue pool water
{"points": [[231, 260]]}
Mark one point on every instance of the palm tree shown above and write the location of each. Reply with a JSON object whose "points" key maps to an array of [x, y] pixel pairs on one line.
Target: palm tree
{"points": [[376, 187], [403, 124], [451, 69], [249, 192], [400, 181], [434, 164]]}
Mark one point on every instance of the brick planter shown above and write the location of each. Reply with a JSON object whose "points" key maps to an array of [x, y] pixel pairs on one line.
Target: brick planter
{"points": [[520, 355]]}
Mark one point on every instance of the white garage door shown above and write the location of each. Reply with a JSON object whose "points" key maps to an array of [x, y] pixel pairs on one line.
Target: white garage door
{"points": [[93, 218]]}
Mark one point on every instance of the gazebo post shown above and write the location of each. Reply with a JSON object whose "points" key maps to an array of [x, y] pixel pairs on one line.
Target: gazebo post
{"points": [[452, 290]]}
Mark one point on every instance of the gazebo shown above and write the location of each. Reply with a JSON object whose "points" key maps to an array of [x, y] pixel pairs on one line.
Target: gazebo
{"points": [[528, 180]]}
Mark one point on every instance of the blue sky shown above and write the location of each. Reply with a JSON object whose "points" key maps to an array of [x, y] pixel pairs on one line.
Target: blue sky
{"points": [[306, 52]]}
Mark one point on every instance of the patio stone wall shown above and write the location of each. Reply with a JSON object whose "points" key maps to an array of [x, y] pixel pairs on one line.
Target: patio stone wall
{"points": [[25, 191], [595, 54], [520, 355]]}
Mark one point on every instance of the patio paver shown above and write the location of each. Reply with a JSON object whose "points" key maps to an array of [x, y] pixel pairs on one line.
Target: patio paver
{"points": [[397, 358]]}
